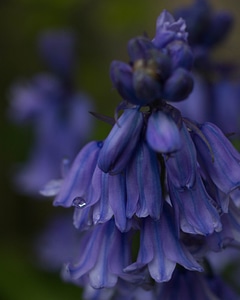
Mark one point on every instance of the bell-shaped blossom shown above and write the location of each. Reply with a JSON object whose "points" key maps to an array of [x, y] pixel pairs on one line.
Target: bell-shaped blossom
{"points": [[121, 142], [181, 166], [75, 186], [144, 191], [161, 249], [96, 196], [105, 265], [217, 157], [195, 209]]}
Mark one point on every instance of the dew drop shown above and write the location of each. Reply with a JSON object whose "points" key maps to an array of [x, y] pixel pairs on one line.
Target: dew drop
{"points": [[78, 202]]}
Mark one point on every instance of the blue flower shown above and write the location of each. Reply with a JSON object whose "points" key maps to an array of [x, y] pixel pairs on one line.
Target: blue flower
{"points": [[144, 191], [104, 266], [159, 184], [41, 103], [218, 158], [76, 184], [161, 249]]}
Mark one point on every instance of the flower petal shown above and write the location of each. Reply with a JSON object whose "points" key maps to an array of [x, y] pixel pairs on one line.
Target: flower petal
{"points": [[121, 76], [162, 133], [197, 207], [79, 177], [121, 142], [181, 166], [222, 165]]}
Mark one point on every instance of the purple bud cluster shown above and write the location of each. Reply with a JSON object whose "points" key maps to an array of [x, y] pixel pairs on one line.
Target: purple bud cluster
{"points": [[158, 69]]}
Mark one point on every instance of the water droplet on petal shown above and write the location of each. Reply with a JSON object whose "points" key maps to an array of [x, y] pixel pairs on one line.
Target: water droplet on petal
{"points": [[78, 202]]}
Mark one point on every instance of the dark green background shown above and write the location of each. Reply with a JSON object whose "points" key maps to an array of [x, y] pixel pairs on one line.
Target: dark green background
{"points": [[103, 28]]}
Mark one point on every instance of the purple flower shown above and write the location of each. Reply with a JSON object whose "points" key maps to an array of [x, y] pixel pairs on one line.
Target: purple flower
{"points": [[218, 158], [157, 194], [160, 248], [105, 265], [195, 209], [144, 191], [75, 186]]}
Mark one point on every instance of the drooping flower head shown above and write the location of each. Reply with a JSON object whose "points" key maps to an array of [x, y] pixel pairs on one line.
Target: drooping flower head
{"points": [[154, 193]]}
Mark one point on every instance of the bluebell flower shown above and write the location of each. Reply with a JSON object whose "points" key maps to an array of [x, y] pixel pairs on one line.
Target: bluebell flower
{"points": [[144, 191], [57, 113], [160, 248], [223, 172], [98, 196], [194, 206], [159, 184]]}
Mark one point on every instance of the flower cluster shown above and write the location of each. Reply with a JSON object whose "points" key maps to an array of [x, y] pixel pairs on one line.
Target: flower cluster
{"points": [[57, 113], [160, 191]]}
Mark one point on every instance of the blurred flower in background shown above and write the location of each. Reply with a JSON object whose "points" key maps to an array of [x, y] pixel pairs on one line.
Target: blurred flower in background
{"points": [[216, 92], [58, 114]]}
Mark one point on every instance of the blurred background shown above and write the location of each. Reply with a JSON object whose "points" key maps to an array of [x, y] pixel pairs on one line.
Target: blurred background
{"points": [[102, 30]]}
